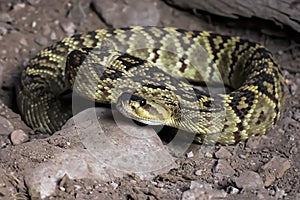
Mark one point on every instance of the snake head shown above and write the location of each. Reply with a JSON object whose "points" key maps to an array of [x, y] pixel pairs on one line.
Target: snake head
{"points": [[145, 111]]}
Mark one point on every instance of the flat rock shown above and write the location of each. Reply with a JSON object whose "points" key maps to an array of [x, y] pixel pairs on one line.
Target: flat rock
{"points": [[223, 168], [223, 153], [108, 135], [275, 168], [76, 164], [249, 180], [110, 152], [282, 12]]}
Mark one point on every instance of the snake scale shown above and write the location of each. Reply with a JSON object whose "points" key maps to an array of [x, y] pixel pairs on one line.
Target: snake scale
{"points": [[146, 71]]}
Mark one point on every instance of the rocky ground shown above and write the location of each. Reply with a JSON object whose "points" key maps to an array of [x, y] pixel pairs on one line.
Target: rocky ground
{"points": [[66, 165]]}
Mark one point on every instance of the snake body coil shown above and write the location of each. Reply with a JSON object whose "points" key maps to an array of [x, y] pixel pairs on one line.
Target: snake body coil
{"points": [[145, 71]]}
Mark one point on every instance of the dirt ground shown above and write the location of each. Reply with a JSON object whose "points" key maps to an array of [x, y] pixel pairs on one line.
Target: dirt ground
{"points": [[264, 167]]}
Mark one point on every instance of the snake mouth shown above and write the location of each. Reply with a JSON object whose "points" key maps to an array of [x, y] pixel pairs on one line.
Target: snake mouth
{"points": [[142, 110]]}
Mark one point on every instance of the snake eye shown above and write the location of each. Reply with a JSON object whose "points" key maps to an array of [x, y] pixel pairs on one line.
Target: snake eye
{"points": [[142, 102], [133, 99]]}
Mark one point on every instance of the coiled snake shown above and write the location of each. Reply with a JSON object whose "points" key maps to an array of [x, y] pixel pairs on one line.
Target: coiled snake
{"points": [[145, 72]]}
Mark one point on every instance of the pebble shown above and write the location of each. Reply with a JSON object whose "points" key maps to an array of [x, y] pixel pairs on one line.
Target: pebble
{"points": [[294, 88], [202, 191], [160, 185], [19, 6], [77, 11], [53, 36], [46, 30], [208, 155], [68, 28], [3, 30], [64, 180], [198, 172], [296, 116], [5, 17], [4, 142], [190, 154], [223, 168], [41, 40], [114, 185], [223, 153], [6, 126], [24, 42], [33, 24], [232, 190], [62, 188], [275, 168], [242, 156], [77, 187], [18, 137], [249, 180]]}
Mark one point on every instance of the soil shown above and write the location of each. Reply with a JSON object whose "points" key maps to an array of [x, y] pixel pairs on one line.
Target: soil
{"points": [[265, 167]]}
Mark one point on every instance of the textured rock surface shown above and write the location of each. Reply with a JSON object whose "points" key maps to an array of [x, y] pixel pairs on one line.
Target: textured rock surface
{"points": [[116, 13], [249, 180], [109, 153], [275, 168], [280, 11]]}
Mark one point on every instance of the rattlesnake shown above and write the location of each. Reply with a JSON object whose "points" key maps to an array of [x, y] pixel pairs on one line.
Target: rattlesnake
{"points": [[145, 71]]}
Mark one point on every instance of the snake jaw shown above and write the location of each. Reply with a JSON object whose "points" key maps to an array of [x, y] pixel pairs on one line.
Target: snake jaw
{"points": [[141, 110]]}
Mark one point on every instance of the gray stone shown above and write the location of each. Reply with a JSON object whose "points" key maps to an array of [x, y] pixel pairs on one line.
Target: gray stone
{"points": [[18, 137], [249, 180], [223, 153], [190, 154], [53, 36], [199, 172], [113, 148], [109, 135], [41, 40], [46, 30], [223, 168], [202, 191], [68, 28], [232, 190], [259, 142], [23, 42], [282, 12], [126, 13], [5, 17], [77, 12], [3, 30], [6, 126], [77, 164], [275, 168]]}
